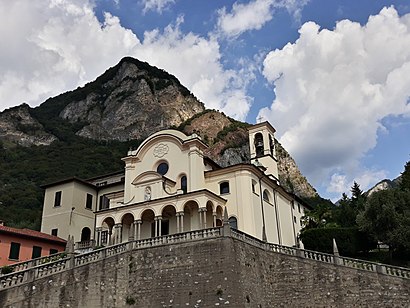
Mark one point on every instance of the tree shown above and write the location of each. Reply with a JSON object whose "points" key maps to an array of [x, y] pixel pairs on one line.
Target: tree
{"points": [[405, 177], [386, 216]]}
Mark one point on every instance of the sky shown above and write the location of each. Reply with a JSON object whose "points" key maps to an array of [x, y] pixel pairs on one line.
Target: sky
{"points": [[333, 77]]}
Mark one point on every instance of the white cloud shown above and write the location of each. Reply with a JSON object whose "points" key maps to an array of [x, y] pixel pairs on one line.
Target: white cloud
{"points": [[333, 88], [341, 183], [156, 5], [57, 45], [254, 15]]}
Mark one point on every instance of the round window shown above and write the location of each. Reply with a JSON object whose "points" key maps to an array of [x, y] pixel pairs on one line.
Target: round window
{"points": [[162, 168]]}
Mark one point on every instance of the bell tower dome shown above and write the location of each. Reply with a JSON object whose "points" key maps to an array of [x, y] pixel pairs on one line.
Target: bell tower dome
{"points": [[263, 149]]}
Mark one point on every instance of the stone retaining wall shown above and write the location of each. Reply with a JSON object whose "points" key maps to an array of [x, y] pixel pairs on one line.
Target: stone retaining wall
{"points": [[222, 271]]}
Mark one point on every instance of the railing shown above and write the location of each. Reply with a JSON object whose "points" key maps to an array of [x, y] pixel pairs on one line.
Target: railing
{"points": [[324, 257], [45, 266], [16, 267], [85, 244], [36, 272], [178, 238]]}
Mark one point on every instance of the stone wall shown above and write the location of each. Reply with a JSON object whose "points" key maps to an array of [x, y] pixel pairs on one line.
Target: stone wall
{"points": [[209, 273]]}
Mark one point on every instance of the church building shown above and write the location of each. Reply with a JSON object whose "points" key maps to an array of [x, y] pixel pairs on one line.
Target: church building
{"points": [[169, 186]]}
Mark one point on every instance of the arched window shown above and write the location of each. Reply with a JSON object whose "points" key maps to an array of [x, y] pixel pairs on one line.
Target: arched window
{"points": [[271, 145], [265, 195], [233, 222], [254, 186], [258, 144], [184, 184], [85, 234], [224, 188]]}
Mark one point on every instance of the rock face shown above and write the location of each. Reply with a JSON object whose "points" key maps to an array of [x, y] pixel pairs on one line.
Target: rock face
{"points": [[137, 101], [290, 176], [384, 185], [19, 127]]}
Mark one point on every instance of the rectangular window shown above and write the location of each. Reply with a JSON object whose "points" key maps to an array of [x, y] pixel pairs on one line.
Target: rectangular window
{"points": [[57, 199], [299, 207], [104, 237], [54, 232], [14, 251], [36, 252], [89, 201], [53, 251], [294, 219], [104, 203]]}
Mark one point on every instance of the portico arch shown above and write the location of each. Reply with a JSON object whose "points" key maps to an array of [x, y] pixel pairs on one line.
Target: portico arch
{"points": [[191, 216], [209, 214], [106, 231], [168, 220], [126, 222], [147, 226], [219, 216]]}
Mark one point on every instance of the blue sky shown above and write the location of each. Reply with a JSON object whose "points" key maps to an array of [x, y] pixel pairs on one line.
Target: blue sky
{"points": [[333, 77]]}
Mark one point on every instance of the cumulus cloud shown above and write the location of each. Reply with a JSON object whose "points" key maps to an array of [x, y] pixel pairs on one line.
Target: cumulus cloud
{"points": [[333, 88], [253, 15], [57, 45], [156, 5]]}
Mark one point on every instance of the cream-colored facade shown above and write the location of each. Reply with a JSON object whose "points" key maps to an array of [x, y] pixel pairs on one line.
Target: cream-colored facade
{"points": [[169, 186]]}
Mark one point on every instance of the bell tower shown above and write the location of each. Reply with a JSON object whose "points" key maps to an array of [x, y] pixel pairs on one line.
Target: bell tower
{"points": [[263, 149]]}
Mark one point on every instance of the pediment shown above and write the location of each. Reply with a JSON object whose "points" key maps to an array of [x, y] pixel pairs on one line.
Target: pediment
{"points": [[146, 177]]}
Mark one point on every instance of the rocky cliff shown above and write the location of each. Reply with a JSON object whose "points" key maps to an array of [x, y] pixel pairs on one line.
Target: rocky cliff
{"points": [[19, 127]]}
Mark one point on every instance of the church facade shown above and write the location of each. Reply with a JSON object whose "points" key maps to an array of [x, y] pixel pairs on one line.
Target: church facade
{"points": [[168, 186]]}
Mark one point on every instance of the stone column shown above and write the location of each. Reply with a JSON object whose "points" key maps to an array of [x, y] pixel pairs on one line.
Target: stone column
{"points": [[200, 211], [204, 213], [214, 218], [98, 236], [177, 217], [155, 226], [181, 217], [139, 223], [134, 229], [159, 225]]}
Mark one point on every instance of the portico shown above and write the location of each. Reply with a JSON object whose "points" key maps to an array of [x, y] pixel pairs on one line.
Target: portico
{"points": [[175, 214]]}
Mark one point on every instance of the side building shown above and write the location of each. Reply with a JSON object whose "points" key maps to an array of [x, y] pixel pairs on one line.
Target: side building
{"points": [[17, 245], [169, 186]]}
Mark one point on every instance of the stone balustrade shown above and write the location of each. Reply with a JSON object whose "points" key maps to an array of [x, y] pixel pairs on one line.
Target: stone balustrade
{"points": [[46, 266], [17, 267]]}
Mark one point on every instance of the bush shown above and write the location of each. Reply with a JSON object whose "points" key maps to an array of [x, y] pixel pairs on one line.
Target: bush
{"points": [[6, 270], [350, 241]]}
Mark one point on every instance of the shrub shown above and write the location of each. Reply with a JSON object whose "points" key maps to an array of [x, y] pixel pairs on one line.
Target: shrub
{"points": [[350, 241], [6, 269]]}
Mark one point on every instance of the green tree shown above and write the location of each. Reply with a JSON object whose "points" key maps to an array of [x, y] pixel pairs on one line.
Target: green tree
{"points": [[386, 217], [405, 177], [348, 208]]}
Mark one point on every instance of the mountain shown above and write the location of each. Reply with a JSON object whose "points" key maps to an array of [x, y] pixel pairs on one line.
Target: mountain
{"points": [[86, 131], [384, 185]]}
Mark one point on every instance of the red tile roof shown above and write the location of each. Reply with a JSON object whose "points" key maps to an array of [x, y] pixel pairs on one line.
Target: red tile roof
{"points": [[32, 234]]}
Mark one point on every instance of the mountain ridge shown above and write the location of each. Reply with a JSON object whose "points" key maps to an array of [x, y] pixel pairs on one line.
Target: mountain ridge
{"points": [[92, 126]]}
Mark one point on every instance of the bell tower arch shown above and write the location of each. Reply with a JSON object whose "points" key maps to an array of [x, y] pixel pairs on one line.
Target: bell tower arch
{"points": [[263, 149]]}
